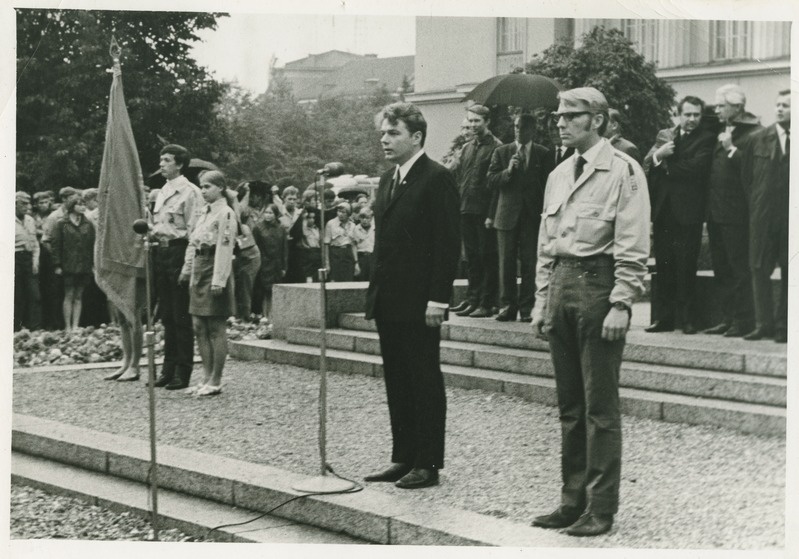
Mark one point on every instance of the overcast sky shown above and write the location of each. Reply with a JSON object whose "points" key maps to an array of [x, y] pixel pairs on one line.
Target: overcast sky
{"points": [[241, 48]]}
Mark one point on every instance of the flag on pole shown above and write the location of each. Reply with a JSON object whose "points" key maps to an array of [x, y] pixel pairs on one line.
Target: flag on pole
{"points": [[118, 251]]}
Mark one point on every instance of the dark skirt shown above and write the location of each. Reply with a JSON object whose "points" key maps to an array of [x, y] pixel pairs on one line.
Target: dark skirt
{"points": [[342, 264], [202, 302]]}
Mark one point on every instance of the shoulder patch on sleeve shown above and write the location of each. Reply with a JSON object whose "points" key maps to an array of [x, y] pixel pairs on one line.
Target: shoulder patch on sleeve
{"points": [[630, 169]]}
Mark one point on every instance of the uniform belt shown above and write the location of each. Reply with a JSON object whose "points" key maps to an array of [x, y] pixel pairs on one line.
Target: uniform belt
{"points": [[603, 260], [205, 250], [173, 243]]}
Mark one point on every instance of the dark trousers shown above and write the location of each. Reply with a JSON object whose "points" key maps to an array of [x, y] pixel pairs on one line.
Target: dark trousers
{"points": [[342, 263], [676, 258], [417, 404], [519, 243], [587, 380], [52, 291], [173, 302], [729, 250], [480, 246], [365, 264], [23, 280], [775, 252], [245, 267]]}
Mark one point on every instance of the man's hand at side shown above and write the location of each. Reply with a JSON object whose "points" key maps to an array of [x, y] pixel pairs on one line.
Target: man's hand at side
{"points": [[615, 325], [434, 316]]}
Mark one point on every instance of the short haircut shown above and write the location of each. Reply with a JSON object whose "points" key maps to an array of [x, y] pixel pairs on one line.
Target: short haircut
{"points": [[526, 118], [89, 194], [479, 110], [328, 195], [67, 192], [44, 194], [590, 97], [181, 155], [22, 195], [784, 92], [290, 190], [732, 94], [366, 210], [308, 194], [344, 206], [693, 101], [409, 114], [70, 204]]}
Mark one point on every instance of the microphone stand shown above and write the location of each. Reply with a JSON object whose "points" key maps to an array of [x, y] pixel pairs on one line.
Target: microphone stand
{"points": [[323, 483], [149, 341]]}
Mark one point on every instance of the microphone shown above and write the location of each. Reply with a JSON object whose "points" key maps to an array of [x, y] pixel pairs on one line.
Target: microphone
{"points": [[331, 169], [141, 226]]}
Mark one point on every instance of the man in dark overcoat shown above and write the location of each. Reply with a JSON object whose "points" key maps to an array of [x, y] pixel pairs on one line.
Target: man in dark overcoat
{"points": [[765, 172], [415, 259]]}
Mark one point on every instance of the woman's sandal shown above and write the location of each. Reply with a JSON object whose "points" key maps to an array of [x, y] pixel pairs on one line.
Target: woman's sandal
{"points": [[208, 390]]}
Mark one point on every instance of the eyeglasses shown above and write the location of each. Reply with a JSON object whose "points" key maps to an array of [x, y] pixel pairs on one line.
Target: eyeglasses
{"points": [[568, 116]]}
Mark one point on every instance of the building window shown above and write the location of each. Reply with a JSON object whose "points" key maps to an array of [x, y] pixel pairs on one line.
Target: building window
{"points": [[510, 35], [730, 40], [644, 35]]}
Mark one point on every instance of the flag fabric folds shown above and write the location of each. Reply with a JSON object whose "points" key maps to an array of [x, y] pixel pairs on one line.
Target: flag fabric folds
{"points": [[118, 251]]}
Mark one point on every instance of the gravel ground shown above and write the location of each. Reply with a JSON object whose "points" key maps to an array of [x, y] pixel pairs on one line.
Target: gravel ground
{"points": [[39, 515], [682, 486]]}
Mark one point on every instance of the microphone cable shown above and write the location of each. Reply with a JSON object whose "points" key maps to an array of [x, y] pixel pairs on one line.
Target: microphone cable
{"points": [[355, 489]]}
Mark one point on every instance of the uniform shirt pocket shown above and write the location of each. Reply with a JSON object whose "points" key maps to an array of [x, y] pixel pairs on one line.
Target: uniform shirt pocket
{"points": [[549, 217], [594, 223]]}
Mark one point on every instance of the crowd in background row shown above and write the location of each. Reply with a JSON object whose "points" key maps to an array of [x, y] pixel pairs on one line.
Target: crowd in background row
{"points": [[279, 241]]}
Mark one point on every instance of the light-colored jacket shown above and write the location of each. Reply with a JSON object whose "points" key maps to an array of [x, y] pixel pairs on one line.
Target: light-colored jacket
{"points": [[606, 211]]}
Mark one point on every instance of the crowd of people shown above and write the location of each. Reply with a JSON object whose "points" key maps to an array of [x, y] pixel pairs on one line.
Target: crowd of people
{"points": [[719, 169]]}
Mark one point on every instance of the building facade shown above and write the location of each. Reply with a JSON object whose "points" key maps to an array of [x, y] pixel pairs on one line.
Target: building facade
{"points": [[695, 57]]}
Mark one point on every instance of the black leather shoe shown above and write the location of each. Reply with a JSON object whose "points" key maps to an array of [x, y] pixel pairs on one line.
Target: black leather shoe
{"points": [[467, 311], [659, 326], [418, 478], [590, 524], [162, 380], [688, 328], [734, 331], [462, 305], [178, 383], [759, 333], [717, 329], [480, 312], [781, 337], [392, 473], [561, 518], [525, 318], [506, 315]]}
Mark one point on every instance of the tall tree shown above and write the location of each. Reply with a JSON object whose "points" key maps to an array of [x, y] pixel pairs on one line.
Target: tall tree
{"points": [[63, 84], [607, 61]]}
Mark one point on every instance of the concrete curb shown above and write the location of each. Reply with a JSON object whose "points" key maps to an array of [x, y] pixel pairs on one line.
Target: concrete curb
{"points": [[368, 515]]}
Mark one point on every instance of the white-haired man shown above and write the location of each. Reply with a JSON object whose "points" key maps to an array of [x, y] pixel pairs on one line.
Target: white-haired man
{"points": [[728, 214], [592, 251]]}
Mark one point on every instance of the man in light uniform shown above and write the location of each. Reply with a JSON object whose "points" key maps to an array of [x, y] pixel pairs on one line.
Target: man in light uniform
{"points": [[592, 253], [177, 207]]}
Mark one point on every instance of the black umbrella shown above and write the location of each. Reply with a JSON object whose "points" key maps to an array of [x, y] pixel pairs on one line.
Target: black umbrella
{"points": [[195, 167], [527, 91]]}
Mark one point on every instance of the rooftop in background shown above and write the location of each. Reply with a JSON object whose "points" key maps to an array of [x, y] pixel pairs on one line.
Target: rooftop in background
{"points": [[341, 74]]}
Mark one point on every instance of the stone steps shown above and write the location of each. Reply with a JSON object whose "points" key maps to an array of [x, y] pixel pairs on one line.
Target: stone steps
{"points": [[672, 349], [701, 383], [747, 417]]}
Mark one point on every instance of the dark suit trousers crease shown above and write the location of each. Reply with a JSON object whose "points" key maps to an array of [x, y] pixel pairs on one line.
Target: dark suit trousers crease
{"points": [[775, 252], [676, 258], [519, 243], [729, 250], [480, 247], [587, 381], [415, 390], [173, 302]]}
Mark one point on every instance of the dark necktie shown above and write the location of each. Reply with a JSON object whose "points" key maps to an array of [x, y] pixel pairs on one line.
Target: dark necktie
{"points": [[787, 152], [578, 167], [392, 189]]}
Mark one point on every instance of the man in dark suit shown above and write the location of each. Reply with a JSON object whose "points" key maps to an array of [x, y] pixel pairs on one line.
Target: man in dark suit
{"points": [[559, 153], [765, 172], [613, 133], [417, 243], [728, 215], [678, 166], [517, 177]]}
